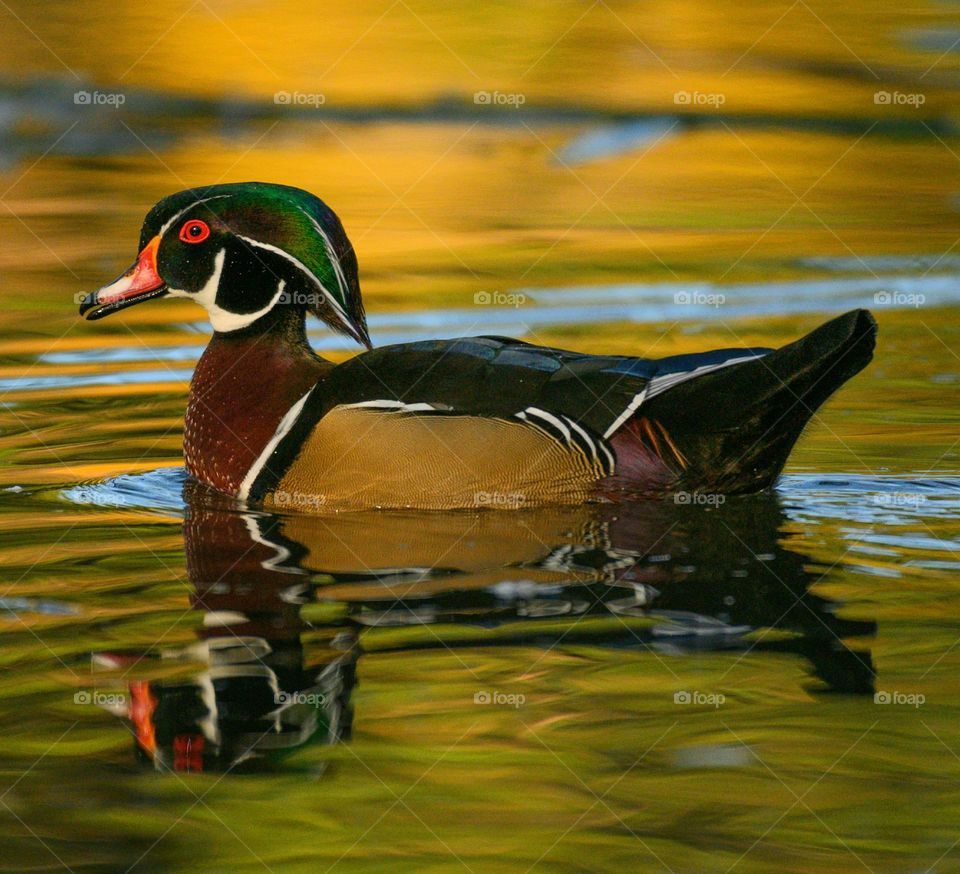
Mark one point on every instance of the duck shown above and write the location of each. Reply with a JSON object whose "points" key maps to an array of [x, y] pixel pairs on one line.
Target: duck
{"points": [[476, 422]]}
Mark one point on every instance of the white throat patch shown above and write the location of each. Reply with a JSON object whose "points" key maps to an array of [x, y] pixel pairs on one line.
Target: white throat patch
{"points": [[221, 319]]}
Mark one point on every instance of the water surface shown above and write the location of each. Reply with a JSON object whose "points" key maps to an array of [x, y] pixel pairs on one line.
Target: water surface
{"points": [[767, 683]]}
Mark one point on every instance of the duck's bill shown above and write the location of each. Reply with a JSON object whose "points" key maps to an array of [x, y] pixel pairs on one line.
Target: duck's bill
{"points": [[141, 282]]}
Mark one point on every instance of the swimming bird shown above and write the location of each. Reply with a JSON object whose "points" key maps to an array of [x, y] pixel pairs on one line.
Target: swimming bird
{"points": [[468, 422]]}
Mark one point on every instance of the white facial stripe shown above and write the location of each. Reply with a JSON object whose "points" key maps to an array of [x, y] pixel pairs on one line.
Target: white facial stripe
{"points": [[225, 321], [170, 222], [331, 254], [208, 294], [303, 267], [221, 319]]}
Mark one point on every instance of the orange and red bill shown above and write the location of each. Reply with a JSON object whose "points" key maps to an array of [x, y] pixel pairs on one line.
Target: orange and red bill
{"points": [[140, 282]]}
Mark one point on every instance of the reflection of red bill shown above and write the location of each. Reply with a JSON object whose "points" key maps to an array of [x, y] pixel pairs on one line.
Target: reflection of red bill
{"points": [[142, 705], [141, 282]]}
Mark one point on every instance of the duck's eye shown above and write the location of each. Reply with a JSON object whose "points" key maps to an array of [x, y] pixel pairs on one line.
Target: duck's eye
{"points": [[194, 231]]}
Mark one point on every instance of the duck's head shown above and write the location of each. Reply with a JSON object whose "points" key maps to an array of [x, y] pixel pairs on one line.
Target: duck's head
{"points": [[243, 250]]}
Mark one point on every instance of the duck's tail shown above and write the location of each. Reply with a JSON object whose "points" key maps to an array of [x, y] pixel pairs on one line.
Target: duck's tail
{"points": [[733, 428]]}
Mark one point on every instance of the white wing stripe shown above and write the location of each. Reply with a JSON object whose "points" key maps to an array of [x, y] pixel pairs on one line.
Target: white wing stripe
{"points": [[660, 384], [610, 458], [628, 412]]}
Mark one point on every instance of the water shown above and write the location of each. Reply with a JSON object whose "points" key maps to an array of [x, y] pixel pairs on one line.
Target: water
{"points": [[767, 683]]}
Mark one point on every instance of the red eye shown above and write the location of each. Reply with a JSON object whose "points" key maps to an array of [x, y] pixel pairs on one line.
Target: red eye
{"points": [[194, 231]]}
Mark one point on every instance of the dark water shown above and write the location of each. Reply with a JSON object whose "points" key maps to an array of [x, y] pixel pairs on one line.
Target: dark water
{"points": [[766, 683]]}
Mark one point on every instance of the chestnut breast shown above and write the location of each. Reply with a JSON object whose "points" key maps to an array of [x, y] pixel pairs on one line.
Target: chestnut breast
{"points": [[241, 389]]}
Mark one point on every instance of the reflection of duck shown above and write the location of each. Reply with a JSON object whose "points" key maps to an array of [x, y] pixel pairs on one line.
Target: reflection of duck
{"points": [[445, 423], [656, 576]]}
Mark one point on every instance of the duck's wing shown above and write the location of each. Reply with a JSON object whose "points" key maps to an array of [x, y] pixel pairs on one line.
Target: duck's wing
{"points": [[498, 376], [484, 413]]}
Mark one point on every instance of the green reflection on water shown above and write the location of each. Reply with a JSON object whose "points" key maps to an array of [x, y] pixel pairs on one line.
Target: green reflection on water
{"points": [[599, 767]]}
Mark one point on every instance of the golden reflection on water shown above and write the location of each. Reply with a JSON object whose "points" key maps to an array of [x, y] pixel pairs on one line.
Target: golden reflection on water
{"points": [[809, 58], [444, 199], [432, 224]]}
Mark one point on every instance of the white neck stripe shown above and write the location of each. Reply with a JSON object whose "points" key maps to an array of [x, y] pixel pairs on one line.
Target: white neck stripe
{"points": [[223, 320], [286, 423]]}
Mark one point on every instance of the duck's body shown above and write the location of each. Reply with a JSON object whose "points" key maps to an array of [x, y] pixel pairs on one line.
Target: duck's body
{"points": [[477, 422], [489, 421]]}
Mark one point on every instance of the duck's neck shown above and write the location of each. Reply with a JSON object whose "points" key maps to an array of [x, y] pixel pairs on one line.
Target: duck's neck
{"points": [[242, 386]]}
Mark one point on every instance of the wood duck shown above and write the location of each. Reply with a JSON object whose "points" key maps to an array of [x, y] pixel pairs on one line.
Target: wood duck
{"points": [[482, 421]]}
